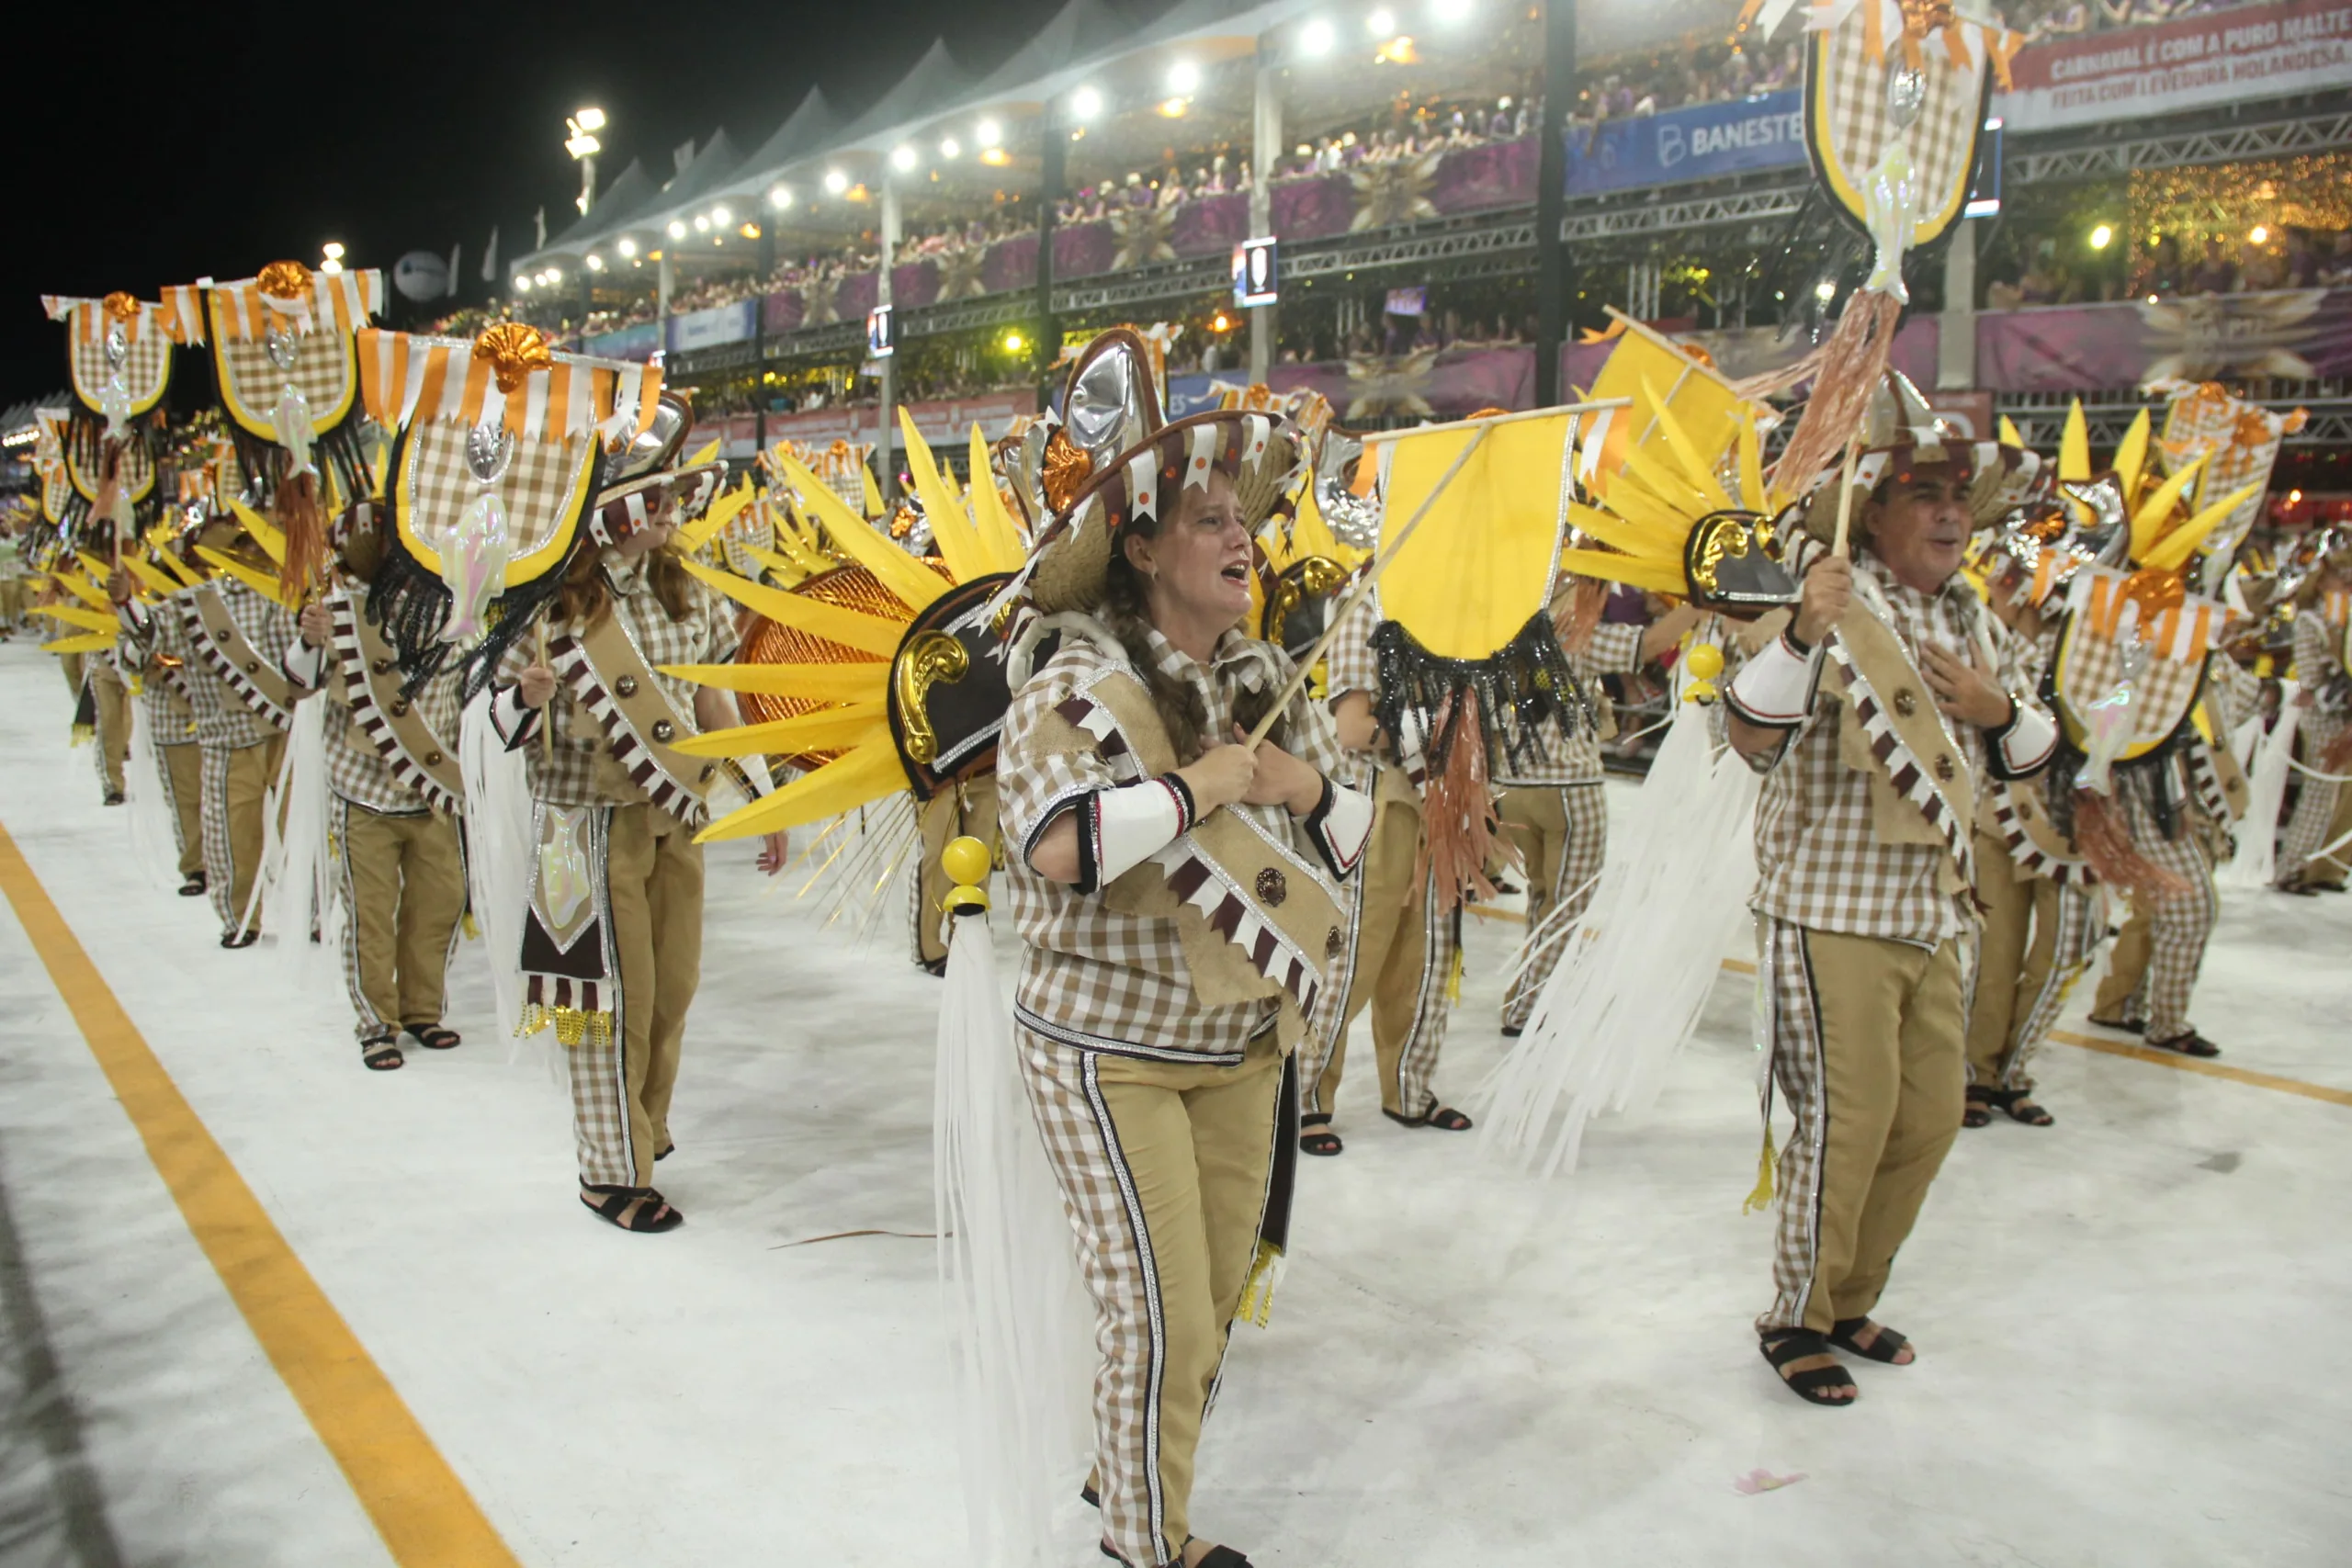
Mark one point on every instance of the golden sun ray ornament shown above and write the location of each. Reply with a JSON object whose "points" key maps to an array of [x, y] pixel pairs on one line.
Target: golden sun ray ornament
{"points": [[879, 672]]}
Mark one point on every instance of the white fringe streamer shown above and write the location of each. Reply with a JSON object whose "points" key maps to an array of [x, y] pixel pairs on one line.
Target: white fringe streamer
{"points": [[2257, 860], [1019, 1321], [154, 841], [498, 854], [302, 869], [1627, 994]]}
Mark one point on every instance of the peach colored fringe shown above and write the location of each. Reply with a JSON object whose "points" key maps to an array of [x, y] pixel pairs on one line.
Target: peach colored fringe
{"points": [[2104, 841], [1460, 833], [1845, 371]]}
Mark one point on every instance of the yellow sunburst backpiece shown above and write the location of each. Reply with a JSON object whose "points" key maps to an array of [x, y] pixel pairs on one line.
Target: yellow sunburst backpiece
{"points": [[877, 671], [1682, 515]]}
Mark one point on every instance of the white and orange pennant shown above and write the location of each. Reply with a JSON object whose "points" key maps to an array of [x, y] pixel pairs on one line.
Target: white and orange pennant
{"points": [[404, 377]]}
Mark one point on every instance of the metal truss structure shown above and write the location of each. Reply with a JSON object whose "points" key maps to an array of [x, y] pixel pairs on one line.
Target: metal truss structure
{"points": [[2222, 144], [1757, 204]]}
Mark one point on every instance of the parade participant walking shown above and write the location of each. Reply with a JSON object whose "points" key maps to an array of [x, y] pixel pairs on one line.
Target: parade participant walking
{"points": [[1875, 717], [1178, 894], [393, 778]]}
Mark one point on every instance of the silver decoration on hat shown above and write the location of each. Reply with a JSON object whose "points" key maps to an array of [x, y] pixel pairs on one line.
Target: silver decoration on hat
{"points": [[1355, 519]]}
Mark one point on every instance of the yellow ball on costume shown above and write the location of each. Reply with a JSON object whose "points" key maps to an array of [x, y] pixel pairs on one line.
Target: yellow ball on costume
{"points": [[1704, 661], [966, 860]]}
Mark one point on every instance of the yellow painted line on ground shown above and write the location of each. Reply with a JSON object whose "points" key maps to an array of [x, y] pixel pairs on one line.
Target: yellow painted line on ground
{"points": [[2173, 1059], [425, 1514], [2210, 1068]]}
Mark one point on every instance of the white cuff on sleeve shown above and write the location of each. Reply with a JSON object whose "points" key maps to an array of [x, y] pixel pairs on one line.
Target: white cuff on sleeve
{"points": [[305, 665], [1774, 689], [1341, 826], [1133, 823], [2027, 744], [515, 723]]}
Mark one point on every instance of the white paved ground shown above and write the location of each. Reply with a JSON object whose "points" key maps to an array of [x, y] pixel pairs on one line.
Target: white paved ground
{"points": [[2131, 1324]]}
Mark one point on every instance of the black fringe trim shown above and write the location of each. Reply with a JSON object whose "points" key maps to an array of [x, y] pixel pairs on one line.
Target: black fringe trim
{"points": [[339, 454], [1521, 687]]}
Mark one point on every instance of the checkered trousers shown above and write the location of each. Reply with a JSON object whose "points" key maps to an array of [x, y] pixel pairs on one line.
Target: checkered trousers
{"points": [[1576, 873], [2314, 813], [1785, 970], [2080, 916], [1106, 1218], [219, 844], [2179, 927]]}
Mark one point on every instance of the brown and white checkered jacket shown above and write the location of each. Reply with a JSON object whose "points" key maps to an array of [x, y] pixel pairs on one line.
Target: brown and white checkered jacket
{"points": [[1094, 977], [578, 769], [1820, 860]]}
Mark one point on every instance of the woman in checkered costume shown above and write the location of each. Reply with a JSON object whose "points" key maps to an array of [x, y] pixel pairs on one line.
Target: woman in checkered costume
{"points": [[601, 802], [1875, 717], [1165, 880]]}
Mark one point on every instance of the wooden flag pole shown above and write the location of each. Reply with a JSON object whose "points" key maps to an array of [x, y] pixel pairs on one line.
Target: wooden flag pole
{"points": [[1845, 504]]}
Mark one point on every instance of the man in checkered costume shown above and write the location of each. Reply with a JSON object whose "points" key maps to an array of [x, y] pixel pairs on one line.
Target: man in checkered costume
{"points": [[1557, 812], [240, 749], [2043, 916], [2323, 813], [1161, 1112], [403, 871], [1402, 943], [1862, 898]]}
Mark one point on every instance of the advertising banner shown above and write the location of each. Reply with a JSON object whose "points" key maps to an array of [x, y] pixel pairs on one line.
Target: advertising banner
{"points": [[637, 343], [2119, 74], [1703, 143], [708, 328]]}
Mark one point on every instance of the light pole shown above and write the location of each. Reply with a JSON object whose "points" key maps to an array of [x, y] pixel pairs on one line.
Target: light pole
{"points": [[582, 145]]}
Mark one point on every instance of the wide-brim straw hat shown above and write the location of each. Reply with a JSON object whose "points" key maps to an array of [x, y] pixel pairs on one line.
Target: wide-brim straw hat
{"points": [[1111, 457]]}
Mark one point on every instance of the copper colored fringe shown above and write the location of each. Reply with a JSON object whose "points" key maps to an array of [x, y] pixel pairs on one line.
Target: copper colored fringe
{"points": [[2337, 756], [1459, 829], [305, 523], [2104, 841], [1850, 368], [1589, 597]]}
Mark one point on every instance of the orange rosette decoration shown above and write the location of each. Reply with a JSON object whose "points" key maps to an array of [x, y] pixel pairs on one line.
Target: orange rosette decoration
{"points": [[514, 349]]}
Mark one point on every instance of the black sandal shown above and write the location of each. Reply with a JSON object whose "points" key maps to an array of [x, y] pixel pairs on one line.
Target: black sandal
{"points": [[2188, 1043], [433, 1037], [1444, 1118], [627, 1208], [2126, 1025], [234, 940], [194, 887], [1794, 1345], [1978, 1111], [2018, 1106], [381, 1053], [1316, 1137], [1222, 1557], [1885, 1348]]}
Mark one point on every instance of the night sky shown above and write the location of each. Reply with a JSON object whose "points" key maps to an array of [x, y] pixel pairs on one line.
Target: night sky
{"points": [[235, 136]]}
